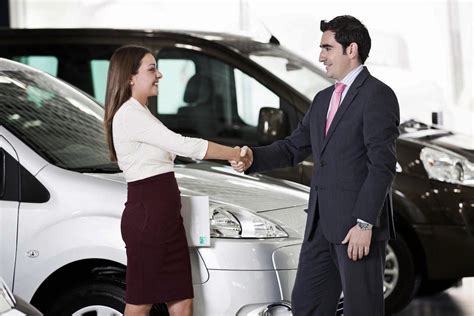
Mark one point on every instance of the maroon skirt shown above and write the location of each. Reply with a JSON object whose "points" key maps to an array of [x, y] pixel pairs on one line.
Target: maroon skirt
{"points": [[158, 264]]}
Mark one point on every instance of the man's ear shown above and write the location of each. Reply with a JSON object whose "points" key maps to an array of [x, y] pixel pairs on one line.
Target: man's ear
{"points": [[353, 50]]}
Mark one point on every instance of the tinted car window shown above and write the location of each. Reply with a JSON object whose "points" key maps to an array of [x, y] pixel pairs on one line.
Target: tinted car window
{"points": [[10, 177], [201, 93], [61, 125], [73, 60], [48, 64], [99, 69]]}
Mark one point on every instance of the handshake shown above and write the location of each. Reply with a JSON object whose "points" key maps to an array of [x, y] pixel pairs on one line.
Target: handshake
{"points": [[245, 160]]}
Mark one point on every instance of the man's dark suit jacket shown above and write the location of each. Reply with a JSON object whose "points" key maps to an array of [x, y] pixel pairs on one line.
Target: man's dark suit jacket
{"points": [[354, 164]]}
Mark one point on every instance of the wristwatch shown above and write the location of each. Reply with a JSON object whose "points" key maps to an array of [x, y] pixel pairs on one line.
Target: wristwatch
{"points": [[364, 225]]}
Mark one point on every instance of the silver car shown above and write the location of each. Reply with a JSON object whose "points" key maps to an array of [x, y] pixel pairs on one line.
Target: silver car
{"points": [[61, 200]]}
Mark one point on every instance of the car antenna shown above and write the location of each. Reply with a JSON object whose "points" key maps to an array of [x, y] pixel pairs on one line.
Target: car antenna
{"points": [[273, 39]]}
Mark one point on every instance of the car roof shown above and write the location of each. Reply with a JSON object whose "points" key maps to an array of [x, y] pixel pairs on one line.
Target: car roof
{"points": [[240, 42]]}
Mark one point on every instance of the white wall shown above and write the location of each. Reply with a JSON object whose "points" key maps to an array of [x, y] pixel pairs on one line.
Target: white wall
{"points": [[423, 49], [412, 48]]}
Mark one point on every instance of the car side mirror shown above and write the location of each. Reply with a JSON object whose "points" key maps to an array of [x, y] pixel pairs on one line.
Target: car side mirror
{"points": [[437, 118], [272, 125]]}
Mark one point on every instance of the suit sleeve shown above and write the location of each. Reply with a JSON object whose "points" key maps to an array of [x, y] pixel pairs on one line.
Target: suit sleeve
{"points": [[380, 129], [286, 152]]}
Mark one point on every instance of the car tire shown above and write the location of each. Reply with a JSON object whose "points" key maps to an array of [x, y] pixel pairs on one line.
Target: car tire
{"points": [[401, 279], [431, 287], [96, 298]]}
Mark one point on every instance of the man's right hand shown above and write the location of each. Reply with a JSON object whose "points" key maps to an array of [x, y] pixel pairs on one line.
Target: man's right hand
{"points": [[246, 161]]}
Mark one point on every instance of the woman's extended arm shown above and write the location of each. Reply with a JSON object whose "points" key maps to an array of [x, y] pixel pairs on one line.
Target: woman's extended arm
{"points": [[216, 151]]}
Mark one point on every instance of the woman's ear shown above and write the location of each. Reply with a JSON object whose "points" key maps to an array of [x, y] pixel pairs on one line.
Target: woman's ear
{"points": [[131, 81]]}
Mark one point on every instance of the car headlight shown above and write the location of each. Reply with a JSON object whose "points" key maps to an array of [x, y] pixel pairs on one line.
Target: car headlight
{"points": [[7, 302], [444, 165], [232, 222]]}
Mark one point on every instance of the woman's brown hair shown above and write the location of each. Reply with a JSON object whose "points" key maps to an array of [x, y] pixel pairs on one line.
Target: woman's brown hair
{"points": [[124, 63]]}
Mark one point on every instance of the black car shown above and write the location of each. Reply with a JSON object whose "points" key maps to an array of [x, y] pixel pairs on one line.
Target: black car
{"points": [[235, 90]]}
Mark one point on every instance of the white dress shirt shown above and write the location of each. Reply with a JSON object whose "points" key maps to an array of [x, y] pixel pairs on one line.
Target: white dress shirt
{"points": [[145, 147]]}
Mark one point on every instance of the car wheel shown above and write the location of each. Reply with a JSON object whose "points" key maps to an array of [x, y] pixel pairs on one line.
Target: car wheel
{"points": [[431, 287], [96, 299], [401, 280]]}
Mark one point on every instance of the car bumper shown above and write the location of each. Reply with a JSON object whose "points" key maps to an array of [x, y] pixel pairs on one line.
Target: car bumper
{"points": [[449, 250], [256, 277], [243, 292]]}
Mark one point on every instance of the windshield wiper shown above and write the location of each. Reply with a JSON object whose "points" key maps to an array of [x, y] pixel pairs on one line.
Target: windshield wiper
{"points": [[97, 169]]}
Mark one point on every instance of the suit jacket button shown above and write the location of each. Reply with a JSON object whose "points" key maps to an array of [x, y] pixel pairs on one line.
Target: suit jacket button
{"points": [[316, 187], [322, 163]]}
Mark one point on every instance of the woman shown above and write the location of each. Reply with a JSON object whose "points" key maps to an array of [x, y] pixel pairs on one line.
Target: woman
{"points": [[158, 264]]}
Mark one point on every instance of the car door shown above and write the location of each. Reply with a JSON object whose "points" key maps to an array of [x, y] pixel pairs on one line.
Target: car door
{"points": [[203, 96], [9, 209]]}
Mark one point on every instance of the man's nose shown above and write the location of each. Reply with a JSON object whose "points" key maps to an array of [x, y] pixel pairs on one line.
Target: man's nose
{"points": [[322, 57]]}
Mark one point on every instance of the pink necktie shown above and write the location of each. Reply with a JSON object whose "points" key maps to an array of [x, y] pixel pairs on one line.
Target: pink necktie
{"points": [[334, 105]]}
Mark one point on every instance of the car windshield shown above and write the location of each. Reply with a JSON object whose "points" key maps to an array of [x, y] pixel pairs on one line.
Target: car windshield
{"points": [[54, 119], [297, 72]]}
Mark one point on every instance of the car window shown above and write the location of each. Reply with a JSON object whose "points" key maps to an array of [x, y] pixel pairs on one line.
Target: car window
{"points": [[47, 64], [10, 185], [32, 191], [292, 69], [73, 63], [99, 69], [177, 73], [251, 97], [202, 96]]}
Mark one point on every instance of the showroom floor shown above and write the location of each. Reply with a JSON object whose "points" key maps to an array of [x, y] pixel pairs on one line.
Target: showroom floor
{"points": [[457, 301]]}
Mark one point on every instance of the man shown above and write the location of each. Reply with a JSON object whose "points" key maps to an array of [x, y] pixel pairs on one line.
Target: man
{"points": [[350, 129]]}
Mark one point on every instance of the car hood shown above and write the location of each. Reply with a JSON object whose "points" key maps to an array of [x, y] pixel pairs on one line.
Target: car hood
{"points": [[458, 143], [223, 185]]}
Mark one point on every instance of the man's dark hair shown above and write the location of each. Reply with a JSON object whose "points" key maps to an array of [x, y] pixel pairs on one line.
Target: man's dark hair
{"points": [[349, 30]]}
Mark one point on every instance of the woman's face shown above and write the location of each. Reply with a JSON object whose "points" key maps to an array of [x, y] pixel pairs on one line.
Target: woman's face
{"points": [[145, 82]]}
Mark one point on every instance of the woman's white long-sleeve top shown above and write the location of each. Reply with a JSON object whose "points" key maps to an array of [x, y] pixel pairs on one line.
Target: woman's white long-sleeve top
{"points": [[145, 147]]}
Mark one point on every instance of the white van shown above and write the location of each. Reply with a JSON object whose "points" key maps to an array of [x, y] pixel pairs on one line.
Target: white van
{"points": [[61, 201]]}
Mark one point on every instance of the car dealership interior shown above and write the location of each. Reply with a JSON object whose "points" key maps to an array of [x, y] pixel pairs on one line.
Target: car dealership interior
{"points": [[237, 73]]}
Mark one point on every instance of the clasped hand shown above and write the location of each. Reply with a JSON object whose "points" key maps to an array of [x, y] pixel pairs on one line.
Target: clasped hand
{"points": [[246, 160]]}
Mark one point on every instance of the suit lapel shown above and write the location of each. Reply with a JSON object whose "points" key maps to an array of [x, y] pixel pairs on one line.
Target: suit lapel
{"points": [[353, 91], [321, 127]]}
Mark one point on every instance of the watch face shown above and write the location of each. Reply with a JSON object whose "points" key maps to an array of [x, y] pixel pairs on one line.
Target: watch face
{"points": [[364, 226]]}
